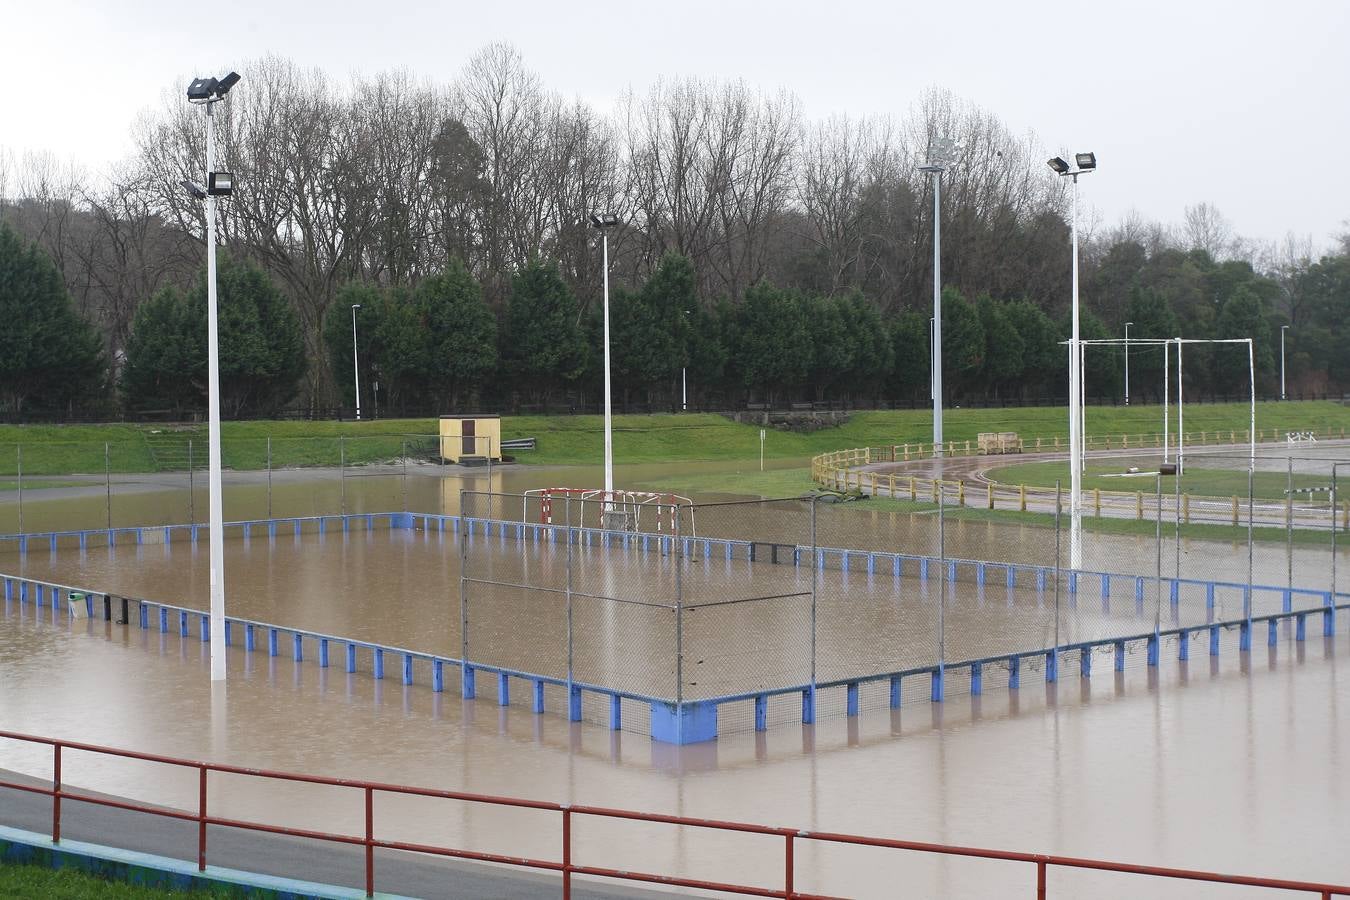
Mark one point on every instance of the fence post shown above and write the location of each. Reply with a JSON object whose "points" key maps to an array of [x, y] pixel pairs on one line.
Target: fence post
{"points": [[201, 819], [892, 480], [991, 495], [56, 793], [18, 449], [567, 852], [809, 699], [1186, 507], [1097, 501], [1139, 506], [1058, 513], [1235, 510], [1040, 879], [269, 476], [192, 490], [913, 489], [370, 842], [465, 685], [107, 481], [938, 688], [788, 890], [567, 512], [961, 492], [1022, 496], [342, 471], [403, 454]]}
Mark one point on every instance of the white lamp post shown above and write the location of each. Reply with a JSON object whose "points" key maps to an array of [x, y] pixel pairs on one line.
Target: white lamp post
{"points": [[604, 222], [1127, 362], [939, 159], [1084, 163], [1283, 329], [356, 363], [208, 92]]}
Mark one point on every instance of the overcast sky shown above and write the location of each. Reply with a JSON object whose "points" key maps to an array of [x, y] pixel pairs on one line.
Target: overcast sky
{"points": [[1241, 103]]}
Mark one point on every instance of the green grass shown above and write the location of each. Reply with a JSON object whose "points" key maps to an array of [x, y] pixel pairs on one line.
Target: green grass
{"points": [[796, 482], [570, 440], [1197, 481], [21, 882]]}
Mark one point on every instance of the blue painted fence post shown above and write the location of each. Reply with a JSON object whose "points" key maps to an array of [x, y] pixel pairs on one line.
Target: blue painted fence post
{"points": [[895, 692], [761, 713], [809, 705]]}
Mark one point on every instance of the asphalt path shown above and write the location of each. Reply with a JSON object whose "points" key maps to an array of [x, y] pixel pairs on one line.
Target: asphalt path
{"points": [[406, 874]]}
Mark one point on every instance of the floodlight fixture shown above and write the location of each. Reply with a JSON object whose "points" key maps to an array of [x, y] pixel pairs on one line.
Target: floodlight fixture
{"points": [[219, 184], [209, 90], [1059, 165], [604, 220], [193, 188], [223, 86], [202, 89], [1086, 161]]}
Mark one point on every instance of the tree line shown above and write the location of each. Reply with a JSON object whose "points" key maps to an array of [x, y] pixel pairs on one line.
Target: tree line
{"points": [[773, 257]]}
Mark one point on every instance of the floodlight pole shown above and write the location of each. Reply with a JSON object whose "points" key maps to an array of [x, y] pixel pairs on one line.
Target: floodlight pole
{"points": [[216, 516], [356, 363], [936, 167], [1127, 362], [609, 418], [937, 308], [1075, 408], [1283, 329]]}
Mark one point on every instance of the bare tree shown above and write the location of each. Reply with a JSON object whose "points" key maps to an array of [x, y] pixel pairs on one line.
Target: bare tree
{"points": [[1205, 228]]}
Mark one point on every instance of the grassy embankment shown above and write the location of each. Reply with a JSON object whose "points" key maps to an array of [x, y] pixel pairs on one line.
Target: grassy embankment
{"points": [[22, 882], [1197, 481], [569, 440]]}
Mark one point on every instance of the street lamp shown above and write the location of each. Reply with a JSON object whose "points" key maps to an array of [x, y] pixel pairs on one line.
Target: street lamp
{"points": [[1283, 329], [1127, 362], [1083, 164], [356, 364], [208, 92], [603, 222], [939, 158]]}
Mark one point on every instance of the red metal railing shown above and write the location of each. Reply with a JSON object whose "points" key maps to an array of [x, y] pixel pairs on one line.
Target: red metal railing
{"points": [[566, 867]]}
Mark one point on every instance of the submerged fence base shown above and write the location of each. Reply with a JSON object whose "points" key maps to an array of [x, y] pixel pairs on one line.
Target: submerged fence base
{"points": [[672, 720]]}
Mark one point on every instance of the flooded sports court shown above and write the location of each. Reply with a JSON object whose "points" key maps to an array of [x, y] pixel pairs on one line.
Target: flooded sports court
{"points": [[1227, 762]]}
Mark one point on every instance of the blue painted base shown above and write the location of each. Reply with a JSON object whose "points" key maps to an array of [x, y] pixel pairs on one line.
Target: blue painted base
{"points": [[687, 723]]}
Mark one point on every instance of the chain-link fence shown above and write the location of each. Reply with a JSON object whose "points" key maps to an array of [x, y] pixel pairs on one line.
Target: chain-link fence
{"points": [[746, 604], [776, 610]]}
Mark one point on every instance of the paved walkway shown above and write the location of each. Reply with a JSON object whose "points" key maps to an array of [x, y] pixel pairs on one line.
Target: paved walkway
{"points": [[319, 861]]}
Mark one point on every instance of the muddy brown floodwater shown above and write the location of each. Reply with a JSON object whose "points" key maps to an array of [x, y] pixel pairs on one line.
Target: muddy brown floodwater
{"points": [[1231, 764]]}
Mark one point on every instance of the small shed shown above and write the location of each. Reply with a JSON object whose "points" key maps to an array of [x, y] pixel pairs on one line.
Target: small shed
{"points": [[471, 437]]}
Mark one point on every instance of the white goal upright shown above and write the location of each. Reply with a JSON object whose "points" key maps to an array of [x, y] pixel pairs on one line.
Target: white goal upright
{"points": [[661, 509]]}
